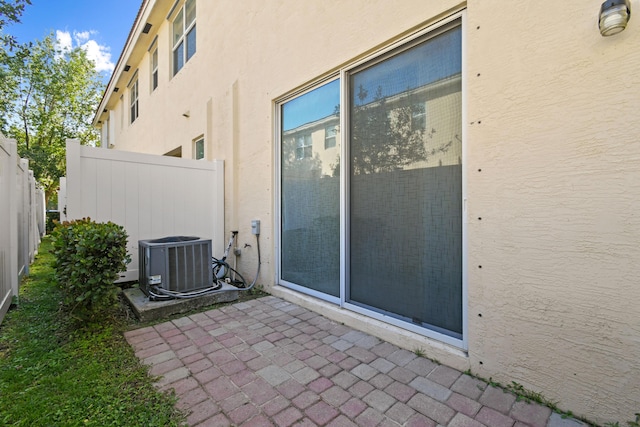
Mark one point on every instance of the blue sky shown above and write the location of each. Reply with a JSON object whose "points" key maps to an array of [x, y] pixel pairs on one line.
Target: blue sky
{"points": [[99, 27], [315, 105]]}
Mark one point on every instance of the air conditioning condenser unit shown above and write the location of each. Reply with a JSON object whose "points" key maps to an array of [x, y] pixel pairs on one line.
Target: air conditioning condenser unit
{"points": [[177, 264]]}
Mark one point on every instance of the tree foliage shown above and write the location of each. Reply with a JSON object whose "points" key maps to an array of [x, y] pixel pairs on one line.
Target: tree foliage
{"points": [[47, 96], [10, 12], [384, 138]]}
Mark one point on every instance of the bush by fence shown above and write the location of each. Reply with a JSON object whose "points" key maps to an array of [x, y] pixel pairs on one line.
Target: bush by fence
{"points": [[88, 258], [52, 218]]}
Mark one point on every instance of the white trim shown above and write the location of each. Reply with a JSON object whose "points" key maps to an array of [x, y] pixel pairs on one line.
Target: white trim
{"points": [[304, 90], [153, 43], [194, 147], [173, 9], [344, 191], [132, 79], [154, 70], [134, 97], [311, 292], [465, 234], [277, 192], [430, 333]]}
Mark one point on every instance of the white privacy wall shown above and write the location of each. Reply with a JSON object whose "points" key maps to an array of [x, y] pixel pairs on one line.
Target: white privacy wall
{"points": [[8, 225], [22, 219], [150, 196]]}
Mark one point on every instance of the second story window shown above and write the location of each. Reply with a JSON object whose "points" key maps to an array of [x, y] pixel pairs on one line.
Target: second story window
{"points": [[154, 69], [133, 94], [198, 149], [330, 133], [184, 35], [304, 147]]}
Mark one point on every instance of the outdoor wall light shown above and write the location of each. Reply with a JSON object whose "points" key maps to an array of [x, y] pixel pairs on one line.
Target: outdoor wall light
{"points": [[614, 16]]}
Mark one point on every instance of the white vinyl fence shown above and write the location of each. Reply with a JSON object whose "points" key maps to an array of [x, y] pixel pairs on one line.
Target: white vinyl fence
{"points": [[150, 196], [22, 221]]}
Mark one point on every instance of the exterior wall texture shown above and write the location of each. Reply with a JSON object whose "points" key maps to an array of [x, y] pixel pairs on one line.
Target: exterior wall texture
{"points": [[551, 165]]}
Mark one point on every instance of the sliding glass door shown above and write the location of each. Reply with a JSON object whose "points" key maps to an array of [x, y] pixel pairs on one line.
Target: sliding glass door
{"points": [[402, 195], [310, 190], [405, 184]]}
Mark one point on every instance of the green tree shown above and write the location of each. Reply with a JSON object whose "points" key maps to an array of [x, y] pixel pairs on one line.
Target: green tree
{"points": [[384, 137], [49, 95], [10, 12]]}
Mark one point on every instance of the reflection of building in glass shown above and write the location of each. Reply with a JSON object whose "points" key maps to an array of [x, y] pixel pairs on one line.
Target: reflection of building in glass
{"points": [[317, 141], [428, 113], [304, 146], [413, 129]]}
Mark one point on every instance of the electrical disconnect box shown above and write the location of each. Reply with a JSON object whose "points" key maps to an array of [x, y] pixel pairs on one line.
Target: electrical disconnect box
{"points": [[255, 226]]}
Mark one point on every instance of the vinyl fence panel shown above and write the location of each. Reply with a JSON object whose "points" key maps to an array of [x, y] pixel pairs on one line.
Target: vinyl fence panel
{"points": [[150, 196], [22, 221], [62, 198], [35, 216], [20, 217], [8, 225], [22, 205]]}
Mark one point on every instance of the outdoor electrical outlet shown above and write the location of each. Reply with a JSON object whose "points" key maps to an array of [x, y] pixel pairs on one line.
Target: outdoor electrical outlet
{"points": [[255, 226]]}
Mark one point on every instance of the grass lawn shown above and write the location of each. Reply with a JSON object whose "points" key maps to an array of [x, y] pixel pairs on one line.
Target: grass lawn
{"points": [[53, 374]]}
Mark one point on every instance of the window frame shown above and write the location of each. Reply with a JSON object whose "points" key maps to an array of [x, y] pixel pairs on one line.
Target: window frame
{"points": [[456, 19], [134, 98], [196, 142], [122, 122], [180, 47], [330, 136], [153, 60], [304, 145]]}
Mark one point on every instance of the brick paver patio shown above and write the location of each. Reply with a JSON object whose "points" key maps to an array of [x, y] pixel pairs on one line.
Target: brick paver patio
{"points": [[267, 362]]}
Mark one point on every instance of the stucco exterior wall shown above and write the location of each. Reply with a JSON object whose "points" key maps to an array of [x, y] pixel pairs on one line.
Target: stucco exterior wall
{"points": [[556, 139], [552, 161]]}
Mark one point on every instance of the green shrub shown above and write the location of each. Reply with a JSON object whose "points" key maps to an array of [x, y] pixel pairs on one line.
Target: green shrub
{"points": [[53, 217], [88, 258]]}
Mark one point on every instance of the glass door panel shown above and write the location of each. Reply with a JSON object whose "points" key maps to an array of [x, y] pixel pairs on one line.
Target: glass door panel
{"points": [[310, 186], [405, 185]]}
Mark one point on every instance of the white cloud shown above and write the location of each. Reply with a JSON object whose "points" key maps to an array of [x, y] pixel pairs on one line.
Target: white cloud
{"points": [[82, 36], [99, 54], [63, 40]]}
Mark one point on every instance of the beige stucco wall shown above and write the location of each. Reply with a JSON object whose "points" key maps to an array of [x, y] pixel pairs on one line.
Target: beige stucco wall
{"points": [[552, 112], [552, 169]]}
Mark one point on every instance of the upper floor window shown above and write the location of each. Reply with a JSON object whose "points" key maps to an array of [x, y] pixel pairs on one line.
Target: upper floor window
{"points": [[154, 69], [133, 98], [184, 35], [304, 146], [122, 110], [418, 116], [198, 149], [330, 133]]}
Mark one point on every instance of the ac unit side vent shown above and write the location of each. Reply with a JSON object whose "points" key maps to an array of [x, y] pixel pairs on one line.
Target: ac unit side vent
{"points": [[179, 263]]}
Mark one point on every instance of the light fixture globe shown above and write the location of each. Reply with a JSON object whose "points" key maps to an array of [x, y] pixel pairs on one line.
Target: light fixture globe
{"points": [[614, 16]]}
